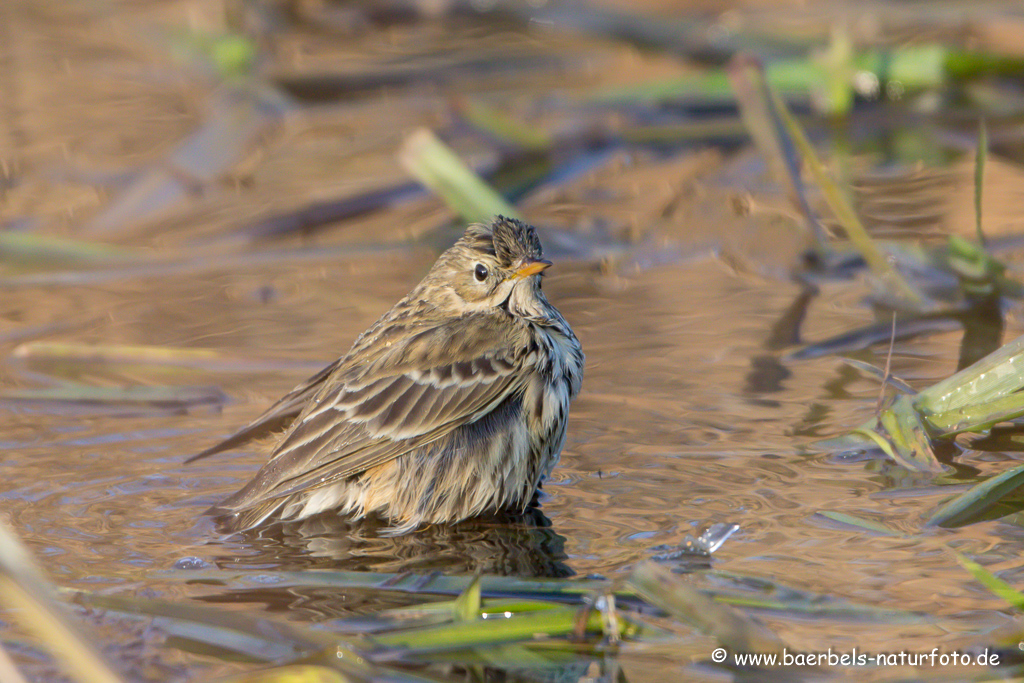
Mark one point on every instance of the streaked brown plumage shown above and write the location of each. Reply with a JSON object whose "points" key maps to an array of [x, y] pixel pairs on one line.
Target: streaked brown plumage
{"points": [[452, 405]]}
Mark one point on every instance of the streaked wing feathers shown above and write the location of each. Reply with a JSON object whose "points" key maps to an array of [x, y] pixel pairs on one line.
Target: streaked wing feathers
{"points": [[360, 420], [277, 417]]}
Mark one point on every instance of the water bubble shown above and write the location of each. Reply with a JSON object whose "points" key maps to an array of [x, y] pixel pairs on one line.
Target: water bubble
{"points": [[192, 563]]}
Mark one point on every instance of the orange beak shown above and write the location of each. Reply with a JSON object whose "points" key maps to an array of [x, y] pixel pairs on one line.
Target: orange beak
{"points": [[530, 266]]}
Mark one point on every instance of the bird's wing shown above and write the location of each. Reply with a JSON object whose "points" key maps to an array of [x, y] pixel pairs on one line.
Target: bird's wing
{"points": [[423, 388], [277, 417]]}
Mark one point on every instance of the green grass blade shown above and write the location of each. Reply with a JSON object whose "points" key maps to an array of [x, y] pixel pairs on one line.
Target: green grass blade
{"points": [[24, 248], [909, 436], [977, 418], [467, 605], [438, 167], [503, 127], [914, 67], [996, 375], [835, 96], [431, 613], [560, 621], [992, 582], [869, 435], [972, 504]]}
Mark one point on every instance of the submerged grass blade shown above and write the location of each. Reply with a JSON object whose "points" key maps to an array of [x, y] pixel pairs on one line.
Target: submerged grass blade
{"points": [[570, 592], [971, 505], [236, 117], [259, 637], [161, 396], [876, 333], [205, 263], [438, 167], [736, 632], [756, 592], [822, 607], [992, 582], [859, 522], [511, 656], [310, 218], [32, 601], [291, 636]]}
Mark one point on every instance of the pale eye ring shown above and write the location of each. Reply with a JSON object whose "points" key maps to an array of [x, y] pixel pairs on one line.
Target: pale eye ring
{"points": [[480, 272]]}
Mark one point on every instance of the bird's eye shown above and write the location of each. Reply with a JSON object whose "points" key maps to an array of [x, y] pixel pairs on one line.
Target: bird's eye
{"points": [[480, 272]]}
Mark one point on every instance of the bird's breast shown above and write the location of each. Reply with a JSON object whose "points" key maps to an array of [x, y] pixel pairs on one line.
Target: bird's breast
{"points": [[556, 381]]}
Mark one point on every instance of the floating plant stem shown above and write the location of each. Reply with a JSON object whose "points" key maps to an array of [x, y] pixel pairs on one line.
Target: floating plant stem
{"points": [[844, 213], [33, 602], [979, 178], [440, 169]]}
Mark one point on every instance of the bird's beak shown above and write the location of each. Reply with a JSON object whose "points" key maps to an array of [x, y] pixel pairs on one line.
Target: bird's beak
{"points": [[530, 266]]}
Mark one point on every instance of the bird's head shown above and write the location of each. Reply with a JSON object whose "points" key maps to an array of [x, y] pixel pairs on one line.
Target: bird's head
{"points": [[494, 265]]}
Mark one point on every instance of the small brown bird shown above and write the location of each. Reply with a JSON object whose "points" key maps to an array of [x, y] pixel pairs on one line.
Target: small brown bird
{"points": [[452, 405]]}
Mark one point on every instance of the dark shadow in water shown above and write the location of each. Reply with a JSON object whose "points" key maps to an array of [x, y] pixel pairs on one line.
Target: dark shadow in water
{"points": [[983, 331], [766, 375], [1001, 439], [508, 545], [786, 330], [766, 371]]}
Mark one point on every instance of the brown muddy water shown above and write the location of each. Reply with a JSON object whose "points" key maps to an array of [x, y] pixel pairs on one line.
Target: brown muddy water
{"points": [[686, 419]]}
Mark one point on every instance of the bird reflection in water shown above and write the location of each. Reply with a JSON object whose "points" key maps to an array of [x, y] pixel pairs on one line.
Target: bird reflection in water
{"points": [[523, 545]]}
